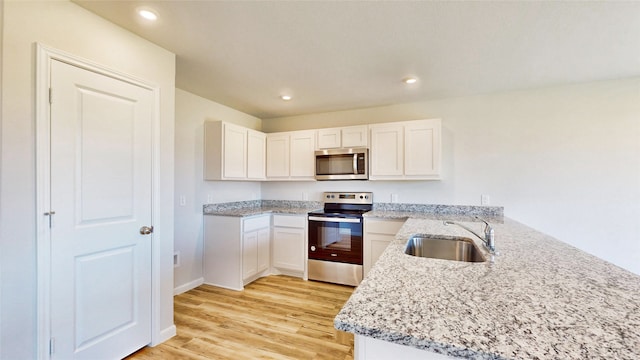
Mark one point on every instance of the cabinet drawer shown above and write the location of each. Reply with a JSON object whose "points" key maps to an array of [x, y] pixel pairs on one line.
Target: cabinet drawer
{"points": [[389, 227], [289, 221], [255, 223]]}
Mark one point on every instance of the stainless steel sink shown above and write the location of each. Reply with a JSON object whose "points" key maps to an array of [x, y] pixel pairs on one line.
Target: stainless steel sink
{"points": [[444, 247]]}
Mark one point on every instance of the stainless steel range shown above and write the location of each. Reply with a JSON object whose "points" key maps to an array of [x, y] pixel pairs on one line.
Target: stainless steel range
{"points": [[335, 238]]}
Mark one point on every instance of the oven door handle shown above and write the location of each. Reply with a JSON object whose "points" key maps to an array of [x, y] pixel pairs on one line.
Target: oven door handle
{"points": [[333, 219]]}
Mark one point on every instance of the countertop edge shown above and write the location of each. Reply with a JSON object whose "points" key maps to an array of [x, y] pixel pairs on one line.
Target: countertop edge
{"points": [[551, 249]]}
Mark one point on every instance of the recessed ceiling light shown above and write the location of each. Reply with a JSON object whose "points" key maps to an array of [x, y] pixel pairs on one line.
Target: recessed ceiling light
{"points": [[285, 97], [148, 14], [410, 80]]}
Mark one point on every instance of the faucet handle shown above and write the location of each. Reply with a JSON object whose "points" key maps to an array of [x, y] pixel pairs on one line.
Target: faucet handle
{"points": [[489, 235]]}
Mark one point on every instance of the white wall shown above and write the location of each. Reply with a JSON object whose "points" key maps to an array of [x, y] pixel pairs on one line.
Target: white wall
{"points": [[564, 160], [64, 26], [191, 113]]}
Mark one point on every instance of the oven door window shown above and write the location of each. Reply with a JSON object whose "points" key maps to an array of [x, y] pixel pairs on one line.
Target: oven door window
{"points": [[335, 241], [336, 238]]}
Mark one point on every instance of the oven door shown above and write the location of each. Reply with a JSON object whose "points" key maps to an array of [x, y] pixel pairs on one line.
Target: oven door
{"points": [[337, 239]]}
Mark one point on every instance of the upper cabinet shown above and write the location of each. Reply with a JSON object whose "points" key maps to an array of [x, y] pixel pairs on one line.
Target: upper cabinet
{"points": [[290, 155], [256, 155], [233, 152], [409, 150], [345, 137]]}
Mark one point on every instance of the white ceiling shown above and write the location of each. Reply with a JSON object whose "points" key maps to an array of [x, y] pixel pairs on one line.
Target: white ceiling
{"points": [[337, 55]]}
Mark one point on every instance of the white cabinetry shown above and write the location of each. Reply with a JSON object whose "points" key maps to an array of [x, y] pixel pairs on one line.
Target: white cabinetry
{"points": [[277, 156], [409, 150], [236, 250], [256, 155], [329, 138], [233, 152], [290, 155], [386, 155], [345, 137], [378, 234], [289, 243], [255, 247]]}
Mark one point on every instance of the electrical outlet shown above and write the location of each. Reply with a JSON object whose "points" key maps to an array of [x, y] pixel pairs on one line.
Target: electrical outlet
{"points": [[183, 200], [305, 196], [209, 198], [394, 198], [485, 199]]}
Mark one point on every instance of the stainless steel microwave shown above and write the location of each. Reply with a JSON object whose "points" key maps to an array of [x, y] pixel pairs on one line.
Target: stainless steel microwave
{"points": [[342, 164]]}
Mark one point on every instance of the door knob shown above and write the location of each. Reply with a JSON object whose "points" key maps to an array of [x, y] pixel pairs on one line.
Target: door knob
{"points": [[146, 230]]}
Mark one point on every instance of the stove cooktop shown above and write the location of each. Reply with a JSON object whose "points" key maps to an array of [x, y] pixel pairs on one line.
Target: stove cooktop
{"points": [[339, 213], [345, 204]]}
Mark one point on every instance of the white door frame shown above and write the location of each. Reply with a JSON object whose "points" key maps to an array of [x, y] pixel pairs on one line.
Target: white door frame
{"points": [[44, 56]]}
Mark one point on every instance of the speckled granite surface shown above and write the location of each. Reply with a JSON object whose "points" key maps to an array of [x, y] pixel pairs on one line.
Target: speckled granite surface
{"points": [[493, 214], [539, 299], [257, 207], [437, 212]]}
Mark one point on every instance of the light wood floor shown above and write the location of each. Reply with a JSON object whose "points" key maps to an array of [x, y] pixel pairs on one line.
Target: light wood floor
{"points": [[276, 317]]}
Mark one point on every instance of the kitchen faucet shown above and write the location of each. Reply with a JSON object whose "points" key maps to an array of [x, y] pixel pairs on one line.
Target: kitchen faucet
{"points": [[489, 236]]}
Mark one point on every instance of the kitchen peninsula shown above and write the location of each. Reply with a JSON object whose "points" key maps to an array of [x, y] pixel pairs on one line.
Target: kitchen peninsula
{"points": [[538, 299]]}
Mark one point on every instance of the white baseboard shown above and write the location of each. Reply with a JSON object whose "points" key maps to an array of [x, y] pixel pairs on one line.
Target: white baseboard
{"points": [[165, 335], [293, 273], [225, 287], [188, 286]]}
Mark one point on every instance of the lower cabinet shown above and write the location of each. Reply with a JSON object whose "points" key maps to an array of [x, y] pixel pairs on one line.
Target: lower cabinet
{"points": [[255, 253], [378, 234], [236, 250], [289, 244]]}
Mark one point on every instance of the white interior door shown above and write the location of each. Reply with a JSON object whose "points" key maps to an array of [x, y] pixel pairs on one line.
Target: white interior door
{"points": [[101, 176]]}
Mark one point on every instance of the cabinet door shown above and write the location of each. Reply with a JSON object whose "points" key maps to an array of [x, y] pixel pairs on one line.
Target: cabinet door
{"points": [[249, 254], [277, 156], [329, 138], [355, 136], [422, 148], [235, 152], [288, 248], [378, 235], [256, 155], [387, 145], [264, 249], [303, 155], [377, 243]]}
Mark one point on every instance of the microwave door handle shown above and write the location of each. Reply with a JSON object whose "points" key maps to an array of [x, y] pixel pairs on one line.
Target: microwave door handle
{"points": [[355, 164]]}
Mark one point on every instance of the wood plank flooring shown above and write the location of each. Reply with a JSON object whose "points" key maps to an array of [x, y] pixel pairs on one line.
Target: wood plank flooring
{"points": [[275, 317]]}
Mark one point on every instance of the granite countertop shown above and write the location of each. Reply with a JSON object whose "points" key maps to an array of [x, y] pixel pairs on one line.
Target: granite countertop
{"points": [[539, 299], [259, 207]]}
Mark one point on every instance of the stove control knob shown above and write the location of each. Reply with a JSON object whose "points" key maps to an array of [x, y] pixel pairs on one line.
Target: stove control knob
{"points": [[313, 248]]}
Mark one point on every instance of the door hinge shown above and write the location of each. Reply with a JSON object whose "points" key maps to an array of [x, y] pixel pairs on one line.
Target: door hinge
{"points": [[52, 346], [50, 96]]}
